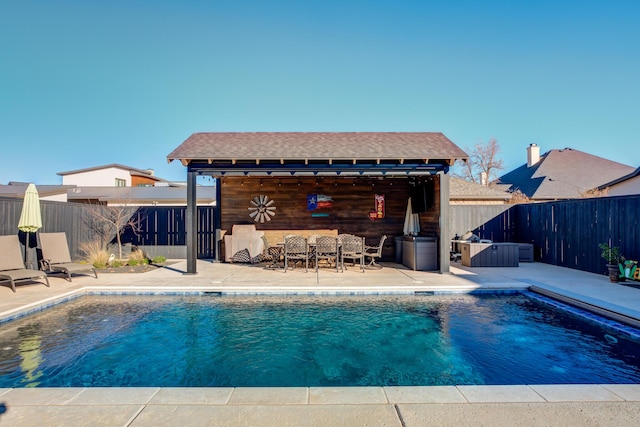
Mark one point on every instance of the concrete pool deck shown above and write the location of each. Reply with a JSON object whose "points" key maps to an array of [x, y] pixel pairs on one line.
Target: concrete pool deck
{"points": [[591, 404]]}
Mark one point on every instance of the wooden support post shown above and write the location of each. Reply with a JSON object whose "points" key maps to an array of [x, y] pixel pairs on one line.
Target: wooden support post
{"points": [[445, 238], [217, 220], [192, 223]]}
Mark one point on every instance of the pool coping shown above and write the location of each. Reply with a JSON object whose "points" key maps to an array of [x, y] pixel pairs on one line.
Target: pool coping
{"points": [[598, 404], [369, 395]]}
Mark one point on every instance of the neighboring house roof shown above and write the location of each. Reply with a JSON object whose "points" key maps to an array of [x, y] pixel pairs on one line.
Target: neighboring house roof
{"points": [[147, 173], [17, 189], [319, 148], [460, 189], [206, 195], [633, 174], [563, 174]]}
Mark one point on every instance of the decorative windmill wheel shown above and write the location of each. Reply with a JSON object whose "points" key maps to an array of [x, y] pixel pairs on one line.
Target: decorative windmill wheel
{"points": [[261, 208]]}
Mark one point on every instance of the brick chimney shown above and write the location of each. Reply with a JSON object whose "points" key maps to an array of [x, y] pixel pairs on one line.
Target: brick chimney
{"points": [[533, 154]]}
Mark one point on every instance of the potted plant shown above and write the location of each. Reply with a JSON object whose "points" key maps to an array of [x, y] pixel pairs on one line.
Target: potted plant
{"points": [[615, 261]]}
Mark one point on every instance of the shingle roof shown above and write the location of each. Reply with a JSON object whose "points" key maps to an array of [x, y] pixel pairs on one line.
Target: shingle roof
{"points": [[284, 146], [461, 189], [563, 174], [619, 180]]}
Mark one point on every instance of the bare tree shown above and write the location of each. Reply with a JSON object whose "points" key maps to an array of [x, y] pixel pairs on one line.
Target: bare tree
{"points": [[483, 164], [110, 221], [594, 192], [518, 197]]}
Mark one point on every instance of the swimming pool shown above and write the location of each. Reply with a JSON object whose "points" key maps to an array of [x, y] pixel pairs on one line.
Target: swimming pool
{"points": [[312, 341]]}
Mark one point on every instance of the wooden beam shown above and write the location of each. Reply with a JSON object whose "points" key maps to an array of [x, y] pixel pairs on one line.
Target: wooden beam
{"points": [[184, 162]]}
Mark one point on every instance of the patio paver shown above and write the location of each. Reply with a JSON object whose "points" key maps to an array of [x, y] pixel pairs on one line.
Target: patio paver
{"points": [[499, 393]]}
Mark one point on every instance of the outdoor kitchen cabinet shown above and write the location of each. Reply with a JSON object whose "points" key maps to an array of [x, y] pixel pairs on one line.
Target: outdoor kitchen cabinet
{"points": [[490, 254], [420, 253]]}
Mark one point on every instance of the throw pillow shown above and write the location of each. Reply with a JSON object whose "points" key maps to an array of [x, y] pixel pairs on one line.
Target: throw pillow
{"points": [[241, 256]]}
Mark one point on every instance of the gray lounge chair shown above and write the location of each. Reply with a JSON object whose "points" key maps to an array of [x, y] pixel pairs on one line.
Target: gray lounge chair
{"points": [[12, 266], [56, 257]]}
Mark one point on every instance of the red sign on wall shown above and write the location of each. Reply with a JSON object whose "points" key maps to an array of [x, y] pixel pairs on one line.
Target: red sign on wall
{"points": [[378, 211]]}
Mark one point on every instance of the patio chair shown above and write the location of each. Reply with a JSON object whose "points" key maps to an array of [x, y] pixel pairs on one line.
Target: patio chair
{"points": [[296, 249], [326, 247], [374, 252], [56, 257], [12, 266], [352, 247], [271, 254]]}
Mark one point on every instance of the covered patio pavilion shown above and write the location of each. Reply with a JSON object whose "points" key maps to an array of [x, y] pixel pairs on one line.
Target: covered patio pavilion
{"points": [[350, 170]]}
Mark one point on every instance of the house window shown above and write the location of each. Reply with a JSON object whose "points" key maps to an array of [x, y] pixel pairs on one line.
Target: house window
{"points": [[121, 182]]}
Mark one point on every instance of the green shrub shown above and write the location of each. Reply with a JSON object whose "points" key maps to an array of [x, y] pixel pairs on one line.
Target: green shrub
{"points": [[117, 263], [159, 259], [133, 262]]}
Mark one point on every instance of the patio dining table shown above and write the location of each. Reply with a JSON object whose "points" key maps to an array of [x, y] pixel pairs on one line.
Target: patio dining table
{"points": [[277, 263]]}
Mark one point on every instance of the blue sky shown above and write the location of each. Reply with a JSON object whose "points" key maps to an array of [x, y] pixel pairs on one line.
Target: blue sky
{"points": [[86, 83]]}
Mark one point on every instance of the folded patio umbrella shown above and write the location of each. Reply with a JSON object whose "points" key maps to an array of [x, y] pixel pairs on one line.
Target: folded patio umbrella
{"points": [[30, 217], [411, 222]]}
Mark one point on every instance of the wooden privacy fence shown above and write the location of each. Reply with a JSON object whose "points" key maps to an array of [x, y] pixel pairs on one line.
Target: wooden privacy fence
{"points": [[493, 222], [564, 233], [567, 233], [161, 229]]}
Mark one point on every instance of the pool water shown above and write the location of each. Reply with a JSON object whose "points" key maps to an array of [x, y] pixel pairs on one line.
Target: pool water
{"points": [[311, 341]]}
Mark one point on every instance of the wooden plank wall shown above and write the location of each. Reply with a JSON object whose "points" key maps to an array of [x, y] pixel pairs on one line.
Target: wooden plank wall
{"points": [[353, 198]]}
